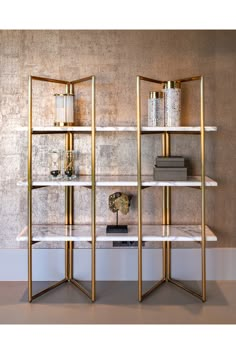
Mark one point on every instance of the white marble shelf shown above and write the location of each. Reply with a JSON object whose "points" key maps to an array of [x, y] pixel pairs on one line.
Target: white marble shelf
{"points": [[53, 129], [144, 129], [78, 129], [192, 181], [117, 129], [117, 181], [83, 233], [84, 181], [44, 181], [178, 129]]}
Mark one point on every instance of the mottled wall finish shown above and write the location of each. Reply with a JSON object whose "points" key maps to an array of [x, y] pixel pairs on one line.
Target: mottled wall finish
{"points": [[116, 57]]}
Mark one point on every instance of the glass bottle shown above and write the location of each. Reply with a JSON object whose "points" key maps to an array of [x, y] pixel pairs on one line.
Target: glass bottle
{"points": [[55, 163], [69, 163]]}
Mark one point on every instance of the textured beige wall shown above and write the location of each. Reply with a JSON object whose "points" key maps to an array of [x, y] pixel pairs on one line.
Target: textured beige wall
{"points": [[116, 57]]}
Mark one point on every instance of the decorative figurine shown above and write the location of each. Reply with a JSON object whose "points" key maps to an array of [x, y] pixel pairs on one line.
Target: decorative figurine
{"points": [[118, 202]]}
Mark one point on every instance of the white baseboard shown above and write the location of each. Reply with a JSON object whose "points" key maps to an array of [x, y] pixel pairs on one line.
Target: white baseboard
{"points": [[117, 264]]}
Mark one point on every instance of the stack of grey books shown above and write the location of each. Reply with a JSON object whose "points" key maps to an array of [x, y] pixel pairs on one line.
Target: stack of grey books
{"points": [[171, 168]]}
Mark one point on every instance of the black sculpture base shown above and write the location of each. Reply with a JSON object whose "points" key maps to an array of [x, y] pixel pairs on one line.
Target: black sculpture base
{"points": [[118, 229]]}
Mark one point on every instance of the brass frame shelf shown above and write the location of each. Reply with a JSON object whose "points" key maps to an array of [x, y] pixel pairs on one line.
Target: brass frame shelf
{"points": [[69, 191], [166, 202]]}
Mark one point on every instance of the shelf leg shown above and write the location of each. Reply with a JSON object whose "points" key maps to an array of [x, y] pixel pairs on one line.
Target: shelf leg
{"points": [[203, 214], [168, 261], [69, 217], [71, 222], [93, 191], [168, 213], [164, 212], [67, 276], [66, 261], [30, 193], [164, 251], [139, 170], [70, 260]]}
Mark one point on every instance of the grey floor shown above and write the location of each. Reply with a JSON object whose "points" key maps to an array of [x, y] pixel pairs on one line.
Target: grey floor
{"points": [[117, 304]]}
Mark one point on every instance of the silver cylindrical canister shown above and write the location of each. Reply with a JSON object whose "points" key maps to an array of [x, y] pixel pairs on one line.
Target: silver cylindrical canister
{"points": [[156, 109], [172, 92]]}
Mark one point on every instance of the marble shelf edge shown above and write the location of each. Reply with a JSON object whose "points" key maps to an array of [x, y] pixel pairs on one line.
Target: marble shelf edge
{"points": [[119, 181], [178, 129], [151, 233], [117, 129]]}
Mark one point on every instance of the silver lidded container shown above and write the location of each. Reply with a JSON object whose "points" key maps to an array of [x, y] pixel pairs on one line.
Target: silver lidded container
{"points": [[172, 92], [156, 109]]}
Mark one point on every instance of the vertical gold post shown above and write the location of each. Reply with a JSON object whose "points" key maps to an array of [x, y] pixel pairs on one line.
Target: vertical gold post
{"points": [[69, 219], [168, 214], [164, 212], [93, 191], [71, 210], [30, 193], [203, 244], [139, 171], [66, 223], [71, 222], [66, 246], [66, 211]]}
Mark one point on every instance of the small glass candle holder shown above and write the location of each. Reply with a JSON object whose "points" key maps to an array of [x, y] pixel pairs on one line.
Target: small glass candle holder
{"points": [[69, 163], [55, 163]]}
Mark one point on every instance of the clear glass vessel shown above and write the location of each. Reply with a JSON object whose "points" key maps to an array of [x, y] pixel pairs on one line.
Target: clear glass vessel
{"points": [[69, 163], [55, 163]]}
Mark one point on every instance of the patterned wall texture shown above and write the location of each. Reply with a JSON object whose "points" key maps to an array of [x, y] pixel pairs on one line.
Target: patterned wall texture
{"points": [[116, 57]]}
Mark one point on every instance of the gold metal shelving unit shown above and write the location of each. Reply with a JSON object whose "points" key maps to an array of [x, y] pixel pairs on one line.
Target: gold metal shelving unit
{"points": [[166, 204], [69, 190], [69, 193]]}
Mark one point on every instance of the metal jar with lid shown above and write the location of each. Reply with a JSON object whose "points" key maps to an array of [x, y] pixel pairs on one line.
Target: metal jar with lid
{"points": [[156, 109], [172, 92]]}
